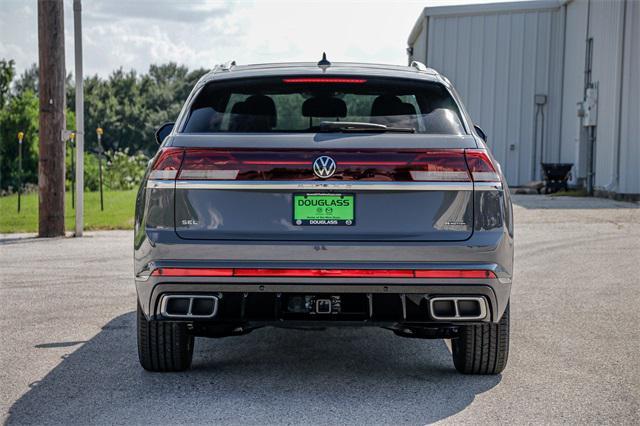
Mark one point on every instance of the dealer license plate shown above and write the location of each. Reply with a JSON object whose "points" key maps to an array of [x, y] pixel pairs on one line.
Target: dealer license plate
{"points": [[324, 209]]}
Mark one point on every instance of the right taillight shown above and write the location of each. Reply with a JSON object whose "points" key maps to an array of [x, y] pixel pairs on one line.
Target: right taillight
{"points": [[480, 166]]}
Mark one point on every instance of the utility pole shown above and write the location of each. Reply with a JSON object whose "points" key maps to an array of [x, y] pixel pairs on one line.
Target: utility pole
{"points": [[72, 137], [77, 34], [20, 137], [52, 118], [100, 151]]}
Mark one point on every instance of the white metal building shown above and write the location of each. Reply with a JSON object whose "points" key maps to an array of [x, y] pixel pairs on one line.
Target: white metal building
{"points": [[548, 81]]}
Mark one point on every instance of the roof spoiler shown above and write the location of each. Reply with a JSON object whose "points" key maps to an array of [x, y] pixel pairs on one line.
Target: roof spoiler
{"points": [[226, 66]]}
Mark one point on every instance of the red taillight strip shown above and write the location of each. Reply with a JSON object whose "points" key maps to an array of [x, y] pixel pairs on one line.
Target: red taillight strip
{"points": [[324, 80], [324, 273], [276, 163], [373, 163]]}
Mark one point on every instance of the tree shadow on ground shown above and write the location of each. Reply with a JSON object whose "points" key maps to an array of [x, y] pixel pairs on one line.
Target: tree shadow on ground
{"points": [[344, 375]]}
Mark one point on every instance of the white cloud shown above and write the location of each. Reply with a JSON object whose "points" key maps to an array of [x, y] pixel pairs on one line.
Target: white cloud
{"points": [[201, 33]]}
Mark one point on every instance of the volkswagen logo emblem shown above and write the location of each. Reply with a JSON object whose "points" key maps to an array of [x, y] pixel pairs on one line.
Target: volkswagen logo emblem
{"points": [[324, 167]]}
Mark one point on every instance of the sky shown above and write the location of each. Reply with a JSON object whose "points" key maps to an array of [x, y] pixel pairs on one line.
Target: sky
{"points": [[133, 34]]}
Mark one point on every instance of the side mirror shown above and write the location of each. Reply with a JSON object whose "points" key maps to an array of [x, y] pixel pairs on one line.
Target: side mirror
{"points": [[480, 132], [163, 131]]}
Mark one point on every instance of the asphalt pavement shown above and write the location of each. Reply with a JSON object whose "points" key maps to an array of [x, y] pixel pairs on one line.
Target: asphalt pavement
{"points": [[68, 347]]}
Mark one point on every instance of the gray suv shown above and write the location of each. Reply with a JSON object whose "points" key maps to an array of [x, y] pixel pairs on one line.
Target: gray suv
{"points": [[318, 194]]}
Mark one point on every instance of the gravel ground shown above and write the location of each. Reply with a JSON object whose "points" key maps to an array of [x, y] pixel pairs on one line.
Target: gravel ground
{"points": [[68, 354]]}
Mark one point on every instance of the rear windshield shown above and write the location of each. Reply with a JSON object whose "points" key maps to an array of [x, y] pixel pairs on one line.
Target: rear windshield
{"points": [[300, 104]]}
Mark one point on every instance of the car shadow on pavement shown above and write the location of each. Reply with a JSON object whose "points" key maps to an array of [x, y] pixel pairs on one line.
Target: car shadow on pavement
{"points": [[344, 375]]}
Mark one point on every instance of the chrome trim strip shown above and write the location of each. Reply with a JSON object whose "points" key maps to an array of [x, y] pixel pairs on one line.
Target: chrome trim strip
{"points": [[325, 185], [166, 298], [161, 184], [481, 301], [314, 185], [487, 186]]}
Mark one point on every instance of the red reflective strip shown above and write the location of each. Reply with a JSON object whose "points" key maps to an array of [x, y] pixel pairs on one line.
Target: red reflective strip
{"points": [[193, 272], [324, 80], [342, 273], [326, 273], [454, 273]]}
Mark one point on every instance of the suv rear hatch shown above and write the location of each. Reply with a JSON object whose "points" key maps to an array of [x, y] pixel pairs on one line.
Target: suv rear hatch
{"points": [[323, 158], [381, 194]]}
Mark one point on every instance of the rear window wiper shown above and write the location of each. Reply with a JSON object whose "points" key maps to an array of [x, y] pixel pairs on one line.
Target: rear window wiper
{"points": [[357, 126]]}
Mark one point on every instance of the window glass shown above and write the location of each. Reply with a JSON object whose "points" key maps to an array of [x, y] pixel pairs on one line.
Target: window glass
{"points": [[301, 104]]}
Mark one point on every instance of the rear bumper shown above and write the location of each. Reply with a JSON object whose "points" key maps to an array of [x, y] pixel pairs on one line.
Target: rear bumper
{"points": [[487, 249]]}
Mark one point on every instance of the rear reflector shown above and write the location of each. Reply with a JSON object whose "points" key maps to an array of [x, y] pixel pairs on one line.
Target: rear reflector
{"points": [[324, 273], [327, 273], [193, 272], [325, 80], [454, 273]]}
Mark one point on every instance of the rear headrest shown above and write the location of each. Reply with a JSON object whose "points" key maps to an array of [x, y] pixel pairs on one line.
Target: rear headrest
{"points": [[407, 109], [324, 107], [386, 105], [260, 105], [239, 108], [440, 103], [236, 122]]}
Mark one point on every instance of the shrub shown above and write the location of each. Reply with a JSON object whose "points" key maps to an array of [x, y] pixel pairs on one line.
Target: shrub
{"points": [[124, 171]]}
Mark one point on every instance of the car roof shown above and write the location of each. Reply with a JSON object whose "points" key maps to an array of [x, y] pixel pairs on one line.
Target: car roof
{"points": [[231, 70]]}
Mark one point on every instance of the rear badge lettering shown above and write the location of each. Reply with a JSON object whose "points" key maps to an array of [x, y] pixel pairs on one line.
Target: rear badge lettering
{"points": [[308, 202]]}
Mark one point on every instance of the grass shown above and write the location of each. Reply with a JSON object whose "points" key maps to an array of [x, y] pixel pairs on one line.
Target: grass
{"points": [[118, 212], [571, 193]]}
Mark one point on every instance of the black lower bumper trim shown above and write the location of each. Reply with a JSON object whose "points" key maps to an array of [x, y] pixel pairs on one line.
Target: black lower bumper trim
{"points": [[356, 304]]}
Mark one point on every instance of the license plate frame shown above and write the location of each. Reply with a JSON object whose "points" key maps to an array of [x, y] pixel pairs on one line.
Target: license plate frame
{"points": [[331, 215]]}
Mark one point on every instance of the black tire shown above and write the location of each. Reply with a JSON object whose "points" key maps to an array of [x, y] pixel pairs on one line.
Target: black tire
{"points": [[482, 349], [163, 346]]}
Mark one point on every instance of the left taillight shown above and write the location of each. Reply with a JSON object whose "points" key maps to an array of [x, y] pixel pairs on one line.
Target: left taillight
{"points": [[167, 164], [209, 164], [443, 165]]}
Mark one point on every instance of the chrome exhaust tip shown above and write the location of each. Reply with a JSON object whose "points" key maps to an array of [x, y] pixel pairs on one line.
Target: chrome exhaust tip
{"points": [[458, 308], [189, 306]]}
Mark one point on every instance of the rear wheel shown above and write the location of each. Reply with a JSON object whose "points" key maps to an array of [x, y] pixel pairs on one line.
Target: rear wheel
{"points": [[482, 349], [163, 346]]}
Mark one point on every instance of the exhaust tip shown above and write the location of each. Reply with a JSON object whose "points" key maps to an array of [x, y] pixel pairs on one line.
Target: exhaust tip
{"points": [[189, 306], [458, 308]]}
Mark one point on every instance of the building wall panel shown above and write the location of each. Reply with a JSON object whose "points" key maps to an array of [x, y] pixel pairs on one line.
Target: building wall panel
{"points": [[629, 181], [498, 62], [573, 87], [605, 28]]}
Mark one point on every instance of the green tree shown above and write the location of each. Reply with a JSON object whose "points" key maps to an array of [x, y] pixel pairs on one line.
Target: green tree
{"points": [[129, 107], [19, 115], [7, 72], [28, 80]]}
